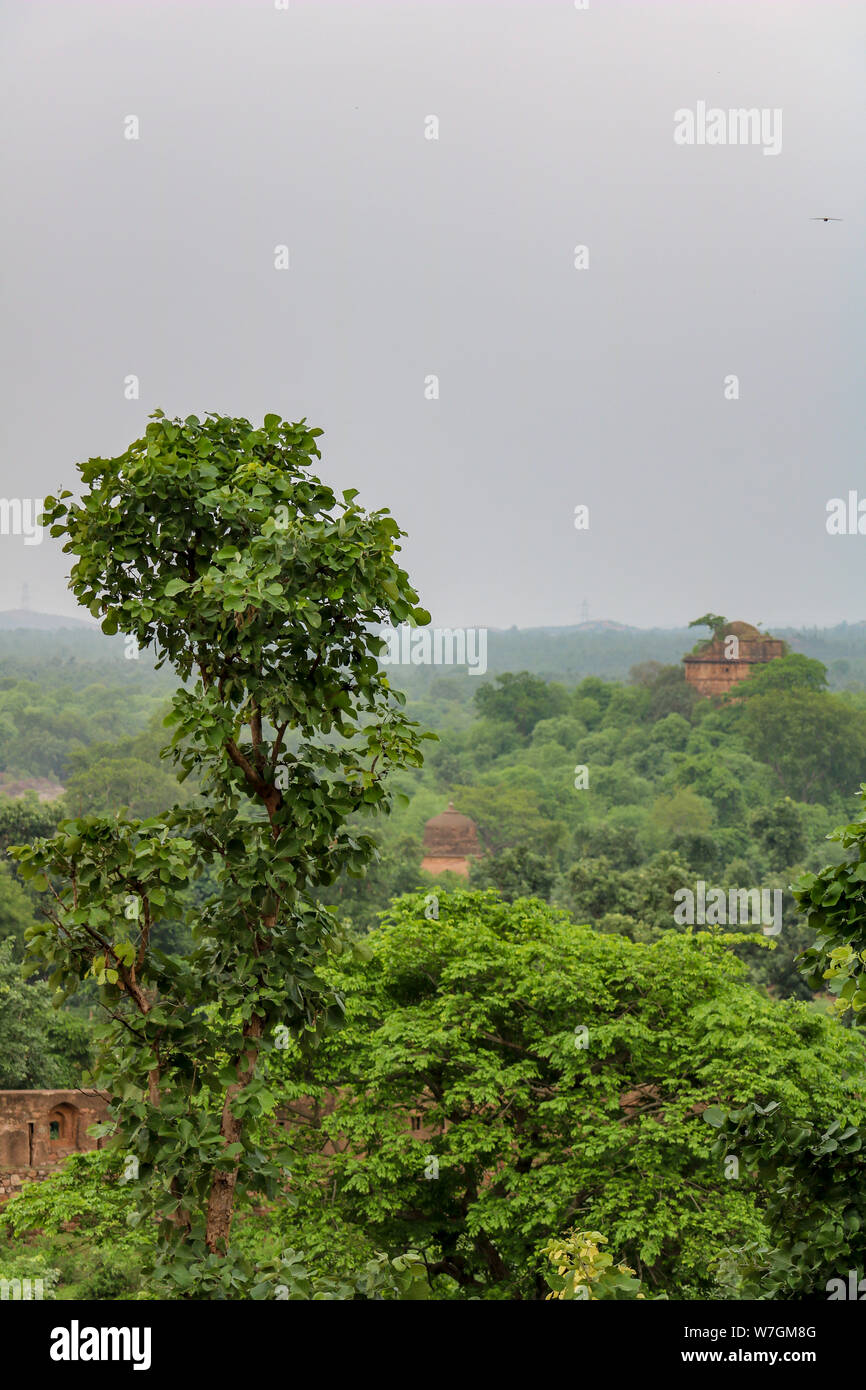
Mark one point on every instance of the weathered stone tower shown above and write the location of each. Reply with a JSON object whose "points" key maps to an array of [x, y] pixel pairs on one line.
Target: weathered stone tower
{"points": [[729, 659], [450, 843]]}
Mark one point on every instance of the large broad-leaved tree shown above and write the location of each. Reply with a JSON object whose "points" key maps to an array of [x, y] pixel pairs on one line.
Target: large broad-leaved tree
{"points": [[506, 1076]]}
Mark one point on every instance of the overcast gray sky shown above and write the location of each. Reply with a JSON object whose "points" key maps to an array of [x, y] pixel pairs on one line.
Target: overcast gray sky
{"points": [[455, 257]]}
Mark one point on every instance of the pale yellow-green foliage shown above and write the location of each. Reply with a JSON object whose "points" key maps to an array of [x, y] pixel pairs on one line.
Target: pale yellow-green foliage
{"points": [[584, 1270]]}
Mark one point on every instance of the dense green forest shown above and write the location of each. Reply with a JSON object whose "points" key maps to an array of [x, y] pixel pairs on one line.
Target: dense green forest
{"points": [[468, 1015]]}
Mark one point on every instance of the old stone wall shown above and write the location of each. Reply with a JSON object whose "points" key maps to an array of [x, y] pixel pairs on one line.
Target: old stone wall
{"points": [[12, 1181], [40, 1128]]}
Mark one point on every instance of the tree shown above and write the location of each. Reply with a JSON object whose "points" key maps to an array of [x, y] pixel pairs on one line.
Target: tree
{"points": [[521, 700], [582, 1270], [515, 873], [791, 672], [814, 1173], [592, 688], [213, 541], [684, 813], [616, 843], [125, 784], [17, 912], [717, 625], [592, 889], [25, 817], [113, 1246], [813, 1181], [638, 902], [814, 743], [540, 1058], [671, 693], [724, 777], [360, 899], [780, 832], [507, 816], [645, 673], [39, 1047], [832, 902], [562, 730]]}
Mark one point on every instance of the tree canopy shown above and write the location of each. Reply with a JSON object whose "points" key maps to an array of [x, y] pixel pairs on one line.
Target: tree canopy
{"points": [[558, 1076]]}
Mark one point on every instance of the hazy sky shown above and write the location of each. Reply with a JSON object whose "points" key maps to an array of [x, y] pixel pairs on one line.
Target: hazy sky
{"points": [[455, 257]]}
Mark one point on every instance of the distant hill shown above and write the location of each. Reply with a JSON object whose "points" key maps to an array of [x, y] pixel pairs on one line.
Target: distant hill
{"points": [[17, 618], [569, 653]]}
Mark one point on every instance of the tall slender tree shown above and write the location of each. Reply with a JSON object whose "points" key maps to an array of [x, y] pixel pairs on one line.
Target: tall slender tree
{"points": [[214, 542]]}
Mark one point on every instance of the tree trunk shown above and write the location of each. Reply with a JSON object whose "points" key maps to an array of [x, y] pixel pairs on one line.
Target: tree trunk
{"points": [[220, 1206]]}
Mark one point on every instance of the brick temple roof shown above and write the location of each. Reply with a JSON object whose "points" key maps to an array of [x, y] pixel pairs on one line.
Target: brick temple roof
{"points": [[450, 835]]}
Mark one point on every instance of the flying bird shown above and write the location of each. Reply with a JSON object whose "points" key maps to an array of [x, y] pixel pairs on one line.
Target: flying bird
{"points": [[826, 219]]}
